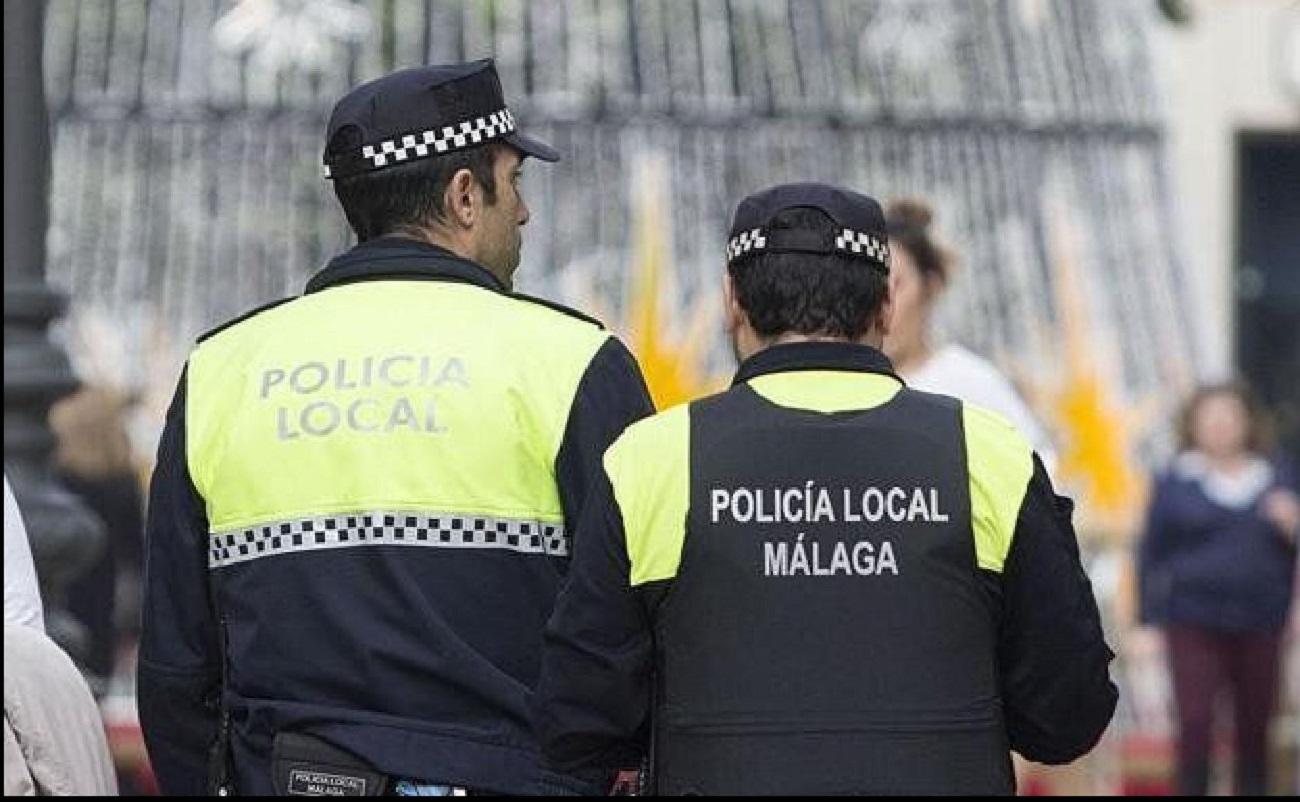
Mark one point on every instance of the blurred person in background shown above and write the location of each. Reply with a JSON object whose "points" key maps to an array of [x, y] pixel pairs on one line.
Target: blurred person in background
{"points": [[1216, 573], [922, 269], [22, 592], [93, 460]]}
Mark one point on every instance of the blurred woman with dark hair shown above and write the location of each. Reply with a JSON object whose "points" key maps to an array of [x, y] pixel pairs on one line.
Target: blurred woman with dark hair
{"points": [[1216, 568], [920, 272]]}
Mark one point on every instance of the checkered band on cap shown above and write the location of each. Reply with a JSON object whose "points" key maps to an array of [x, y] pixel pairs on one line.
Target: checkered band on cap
{"points": [[863, 243], [848, 240], [422, 144], [435, 530], [744, 242]]}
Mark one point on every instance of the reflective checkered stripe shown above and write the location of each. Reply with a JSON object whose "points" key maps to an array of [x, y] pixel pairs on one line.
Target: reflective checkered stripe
{"points": [[386, 528], [744, 242], [419, 144], [848, 240], [864, 243]]}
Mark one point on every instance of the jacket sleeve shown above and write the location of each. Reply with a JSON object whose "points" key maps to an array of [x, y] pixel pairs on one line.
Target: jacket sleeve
{"points": [[1057, 694], [179, 670], [611, 396], [592, 705]]}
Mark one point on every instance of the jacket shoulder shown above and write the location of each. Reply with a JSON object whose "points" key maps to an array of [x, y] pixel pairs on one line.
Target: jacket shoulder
{"points": [[931, 400], [558, 307], [210, 333], [658, 435], [984, 423]]}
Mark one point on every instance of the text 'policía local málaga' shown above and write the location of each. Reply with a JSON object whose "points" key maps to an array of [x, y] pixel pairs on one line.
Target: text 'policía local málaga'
{"points": [[811, 504]]}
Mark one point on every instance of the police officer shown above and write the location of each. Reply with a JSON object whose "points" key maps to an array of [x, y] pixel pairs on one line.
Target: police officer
{"points": [[821, 581], [364, 496]]}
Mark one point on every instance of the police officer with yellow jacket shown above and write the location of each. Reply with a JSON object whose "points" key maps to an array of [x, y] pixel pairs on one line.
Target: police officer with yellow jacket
{"points": [[365, 496], [821, 581]]}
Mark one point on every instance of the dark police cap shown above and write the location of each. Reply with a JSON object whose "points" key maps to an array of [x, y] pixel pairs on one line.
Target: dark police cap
{"points": [[859, 224], [422, 112]]}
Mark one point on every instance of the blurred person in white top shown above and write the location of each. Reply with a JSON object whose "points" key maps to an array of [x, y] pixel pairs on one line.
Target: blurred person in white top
{"points": [[22, 594], [920, 271]]}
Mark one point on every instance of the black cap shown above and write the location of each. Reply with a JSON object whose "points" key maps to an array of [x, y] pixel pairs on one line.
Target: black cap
{"points": [[422, 112], [861, 224]]}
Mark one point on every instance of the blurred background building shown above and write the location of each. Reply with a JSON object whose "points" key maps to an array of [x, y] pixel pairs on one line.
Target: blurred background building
{"points": [[1120, 178], [1231, 92]]}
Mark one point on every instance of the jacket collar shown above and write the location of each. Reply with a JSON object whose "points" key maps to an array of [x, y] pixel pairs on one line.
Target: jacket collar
{"points": [[404, 259], [843, 356]]}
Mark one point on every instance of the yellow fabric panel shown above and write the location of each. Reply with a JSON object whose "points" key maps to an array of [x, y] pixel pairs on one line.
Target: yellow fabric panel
{"points": [[649, 469], [1000, 463], [826, 390], [466, 391]]}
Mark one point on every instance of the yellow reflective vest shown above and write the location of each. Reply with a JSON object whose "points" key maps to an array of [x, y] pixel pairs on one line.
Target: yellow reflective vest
{"points": [[368, 494]]}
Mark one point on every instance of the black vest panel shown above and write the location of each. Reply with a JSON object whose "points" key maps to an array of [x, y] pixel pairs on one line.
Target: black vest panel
{"points": [[826, 632]]}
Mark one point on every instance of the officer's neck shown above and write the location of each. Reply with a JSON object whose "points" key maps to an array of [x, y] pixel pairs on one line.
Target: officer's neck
{"points": [[749, 342], [460, 245]]}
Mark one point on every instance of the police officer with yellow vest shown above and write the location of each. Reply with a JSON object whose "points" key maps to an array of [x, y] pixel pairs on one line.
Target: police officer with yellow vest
{"points": [[365, 496], [821, 581]]}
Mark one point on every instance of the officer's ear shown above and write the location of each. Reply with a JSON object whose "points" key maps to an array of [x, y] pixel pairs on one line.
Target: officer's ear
{"points": [[461, 199], [733, 315], [885, 314]]}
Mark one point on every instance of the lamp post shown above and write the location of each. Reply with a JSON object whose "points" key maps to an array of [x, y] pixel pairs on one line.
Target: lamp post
{"points": [[65, 537]]}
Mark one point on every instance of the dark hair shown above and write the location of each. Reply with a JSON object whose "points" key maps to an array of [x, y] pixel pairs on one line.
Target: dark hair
{"points": [[1258, 433], [808, 293], [908, 221], [410, 195]]}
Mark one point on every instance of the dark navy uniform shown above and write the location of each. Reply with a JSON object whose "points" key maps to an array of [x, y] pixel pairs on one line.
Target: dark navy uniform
{"points": [[823, 582]]}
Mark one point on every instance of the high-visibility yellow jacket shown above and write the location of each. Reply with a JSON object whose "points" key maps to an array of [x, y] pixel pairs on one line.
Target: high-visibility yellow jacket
{"points": [[365, 497]]}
